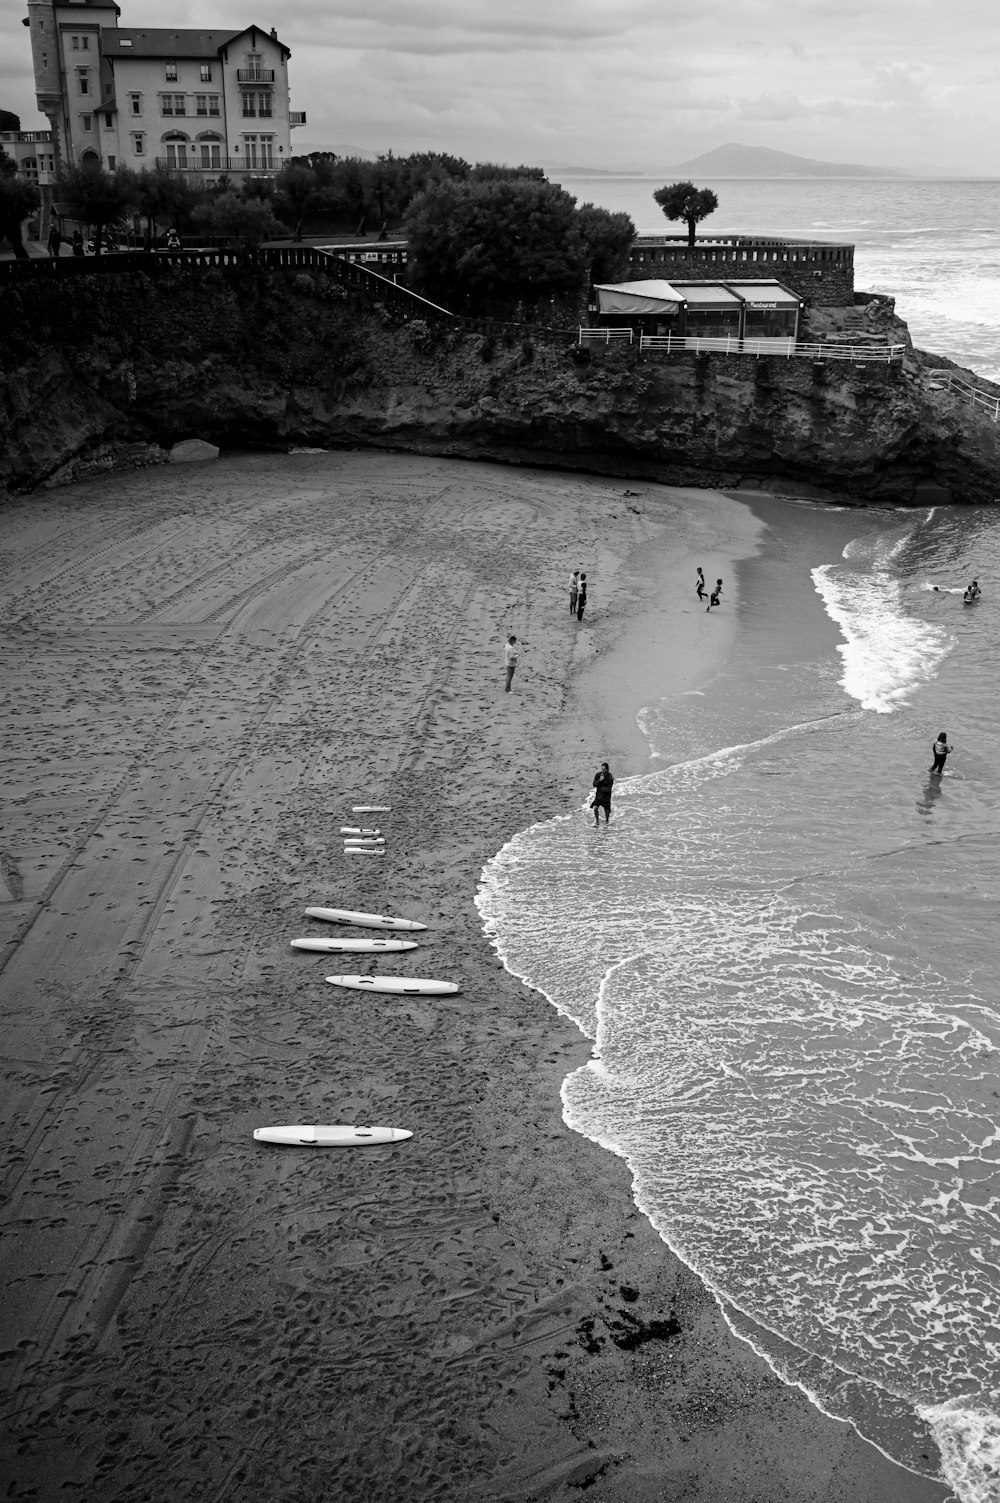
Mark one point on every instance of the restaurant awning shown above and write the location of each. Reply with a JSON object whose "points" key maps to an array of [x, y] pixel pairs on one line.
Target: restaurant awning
{"points": [[708, 297], [630, 298], [759, 294]]}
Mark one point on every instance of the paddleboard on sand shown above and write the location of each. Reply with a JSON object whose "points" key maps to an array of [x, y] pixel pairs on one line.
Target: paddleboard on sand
{"points": [[371, 808], [331, 1137], [362, 920], [397, 985], [366, 946]]}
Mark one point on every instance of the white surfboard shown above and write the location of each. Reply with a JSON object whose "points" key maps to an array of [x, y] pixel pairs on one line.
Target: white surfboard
{"points": [[358, 830], [364, 840], [364, 850], [362, 920], [423, 986], [371, 808], [364, 946], [331, 1137]]}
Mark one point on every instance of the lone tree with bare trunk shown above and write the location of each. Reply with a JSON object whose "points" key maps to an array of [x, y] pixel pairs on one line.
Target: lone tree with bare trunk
{"points": [[685, 201]]}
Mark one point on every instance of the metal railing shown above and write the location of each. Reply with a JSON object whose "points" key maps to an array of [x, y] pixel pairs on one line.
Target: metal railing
{"points": [[255, 75], [856, 354], [988, 402]]}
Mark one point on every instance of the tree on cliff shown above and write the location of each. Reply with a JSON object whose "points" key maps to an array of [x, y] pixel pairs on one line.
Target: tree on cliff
{"points": [[297, 193], [164, 198], [503, 238], [685, 201], [247, 220], [608, 238], [95, 197], [18, 199]]}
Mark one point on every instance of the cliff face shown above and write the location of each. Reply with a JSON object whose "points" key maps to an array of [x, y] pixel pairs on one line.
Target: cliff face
{"points": [[107, 372]]}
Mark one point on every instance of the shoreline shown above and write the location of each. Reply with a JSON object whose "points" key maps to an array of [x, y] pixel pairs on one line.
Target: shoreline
{"points": [[210, 668]]}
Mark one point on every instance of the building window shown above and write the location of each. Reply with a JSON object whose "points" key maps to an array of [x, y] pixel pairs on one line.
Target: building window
{"points": [[138, 143], [211, 154], [259, 151], [135, 103], [176, 153], [88, 122], [112, 163], [109, 121], [170, 73], [85, 43], [84, 80], [264, 105], [206, 104], [173, 104], [205, 73], [249, 105], [75, 42]]}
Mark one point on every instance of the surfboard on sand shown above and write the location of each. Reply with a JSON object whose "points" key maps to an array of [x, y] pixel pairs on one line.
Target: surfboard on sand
{"points": [[363, 946], [364, 840], [360, 830], [331, 1137], [362, 920], [423, 986], [371, 808], [364, 850]]}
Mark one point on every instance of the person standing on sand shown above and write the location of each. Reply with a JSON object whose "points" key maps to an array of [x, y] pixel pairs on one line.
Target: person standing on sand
{"points": [[510, 660], [603, 784], [581, 597], [940, 750], [574, 586], [700, 586]]}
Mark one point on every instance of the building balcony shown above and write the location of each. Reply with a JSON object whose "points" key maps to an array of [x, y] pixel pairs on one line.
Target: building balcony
{"points": [[296, 117], [187, 163], [255, 75]]}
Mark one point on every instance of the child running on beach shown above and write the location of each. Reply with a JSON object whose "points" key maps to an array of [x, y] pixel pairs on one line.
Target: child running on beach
{"points": [[714, 597]]}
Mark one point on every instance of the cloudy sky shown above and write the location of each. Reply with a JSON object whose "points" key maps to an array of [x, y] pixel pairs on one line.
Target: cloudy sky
{"points": [[618, 84]]}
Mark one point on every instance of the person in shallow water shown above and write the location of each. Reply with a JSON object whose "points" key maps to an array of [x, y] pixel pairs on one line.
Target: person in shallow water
{"points": [[603, 784], [940, 750]]}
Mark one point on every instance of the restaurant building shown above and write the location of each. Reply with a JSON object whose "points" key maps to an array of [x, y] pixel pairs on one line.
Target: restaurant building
{"points": [[756, 309]]}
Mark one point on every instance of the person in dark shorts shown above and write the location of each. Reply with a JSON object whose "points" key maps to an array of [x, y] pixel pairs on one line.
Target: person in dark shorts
{"points": [[700, 585], [603, 784], [581, 597], [714, 597], [940, 750]]}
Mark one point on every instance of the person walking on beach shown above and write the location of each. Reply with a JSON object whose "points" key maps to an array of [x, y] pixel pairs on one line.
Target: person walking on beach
{"points": [[603, 784], [700, 586], [574, 588], [714, 597], [581, 597], [510, 660], [940, 750]]}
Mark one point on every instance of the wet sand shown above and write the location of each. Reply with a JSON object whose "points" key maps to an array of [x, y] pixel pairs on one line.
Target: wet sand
{"points": [[205, 668]]}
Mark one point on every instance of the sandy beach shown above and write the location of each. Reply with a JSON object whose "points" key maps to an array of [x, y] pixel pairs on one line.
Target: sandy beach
{"points": [[205, 668]]}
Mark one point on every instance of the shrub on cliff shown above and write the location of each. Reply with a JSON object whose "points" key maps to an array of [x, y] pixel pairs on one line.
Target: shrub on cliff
{"points": [[504, 238], [18, 199]]}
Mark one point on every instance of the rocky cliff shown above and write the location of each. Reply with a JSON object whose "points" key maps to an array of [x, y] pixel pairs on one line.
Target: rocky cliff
{"points": [[104, 372]]}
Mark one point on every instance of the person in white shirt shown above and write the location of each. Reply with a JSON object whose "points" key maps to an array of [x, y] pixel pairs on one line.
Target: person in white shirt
{"points": [[510, 660], [574, 585]]}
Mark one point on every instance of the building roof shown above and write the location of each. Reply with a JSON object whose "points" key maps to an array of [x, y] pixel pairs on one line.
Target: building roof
{"points": [[162, 41]]}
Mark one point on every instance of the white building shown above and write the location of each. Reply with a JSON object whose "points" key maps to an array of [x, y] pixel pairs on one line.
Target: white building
{"points": [[33, 151], [206, 102]]}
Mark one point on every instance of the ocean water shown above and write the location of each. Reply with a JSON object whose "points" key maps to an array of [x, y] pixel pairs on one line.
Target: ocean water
{"points": [[934, 245], [790, 974]]}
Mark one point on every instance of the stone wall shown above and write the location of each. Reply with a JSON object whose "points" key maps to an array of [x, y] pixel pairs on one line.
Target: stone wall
{"points": [[823, 274]]}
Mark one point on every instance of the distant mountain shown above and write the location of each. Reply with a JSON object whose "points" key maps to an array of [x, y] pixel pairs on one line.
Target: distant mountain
{"points": [[733, 160]]}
